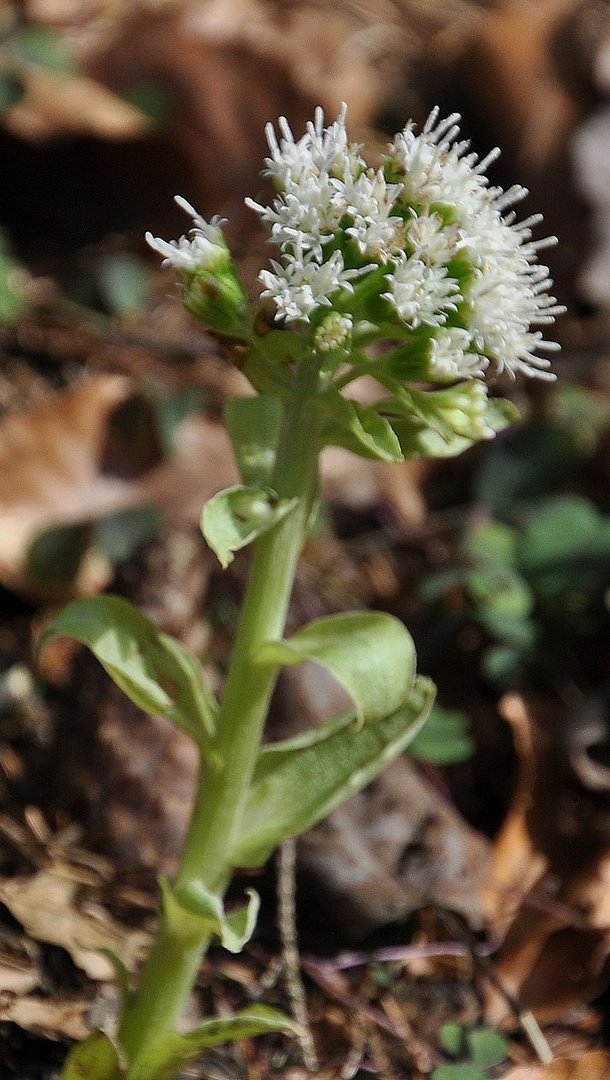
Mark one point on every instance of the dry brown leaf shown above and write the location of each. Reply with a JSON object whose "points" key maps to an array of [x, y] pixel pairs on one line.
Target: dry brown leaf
{"points": [[593, 1066], [17, 974], [548, 886], [47, 906], [51, 1017], [51, 475], [58, 105]]}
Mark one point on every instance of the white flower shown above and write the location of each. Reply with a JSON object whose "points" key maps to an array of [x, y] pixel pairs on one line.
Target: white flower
{"points": [[450, 357], [204, 248], [302, 284], [320, 150], [431, 240], [420, 293]]}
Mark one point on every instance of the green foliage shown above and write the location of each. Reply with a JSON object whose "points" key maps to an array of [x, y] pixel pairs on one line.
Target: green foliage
{"points": [[359, 428], [123, 282], [13, 301], [534, 575], [191, 911], [96, 1058], [154, 670], [444, 738], [238, 515], [479, 1049], [298, 782], [253, 424], [43, 47], [11, 90], [171, 1051], [370, 653], [153, 100]]}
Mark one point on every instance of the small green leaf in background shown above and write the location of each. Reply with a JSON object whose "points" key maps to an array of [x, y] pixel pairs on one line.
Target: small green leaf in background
{"points": [[171, 1051], [154, 670], [458, 1072], [451, 1038], [171, 411], [238, 515], [153, 100], [253, 424], [369, 653], [38, 45], [123, 281], [55, 555], [444, 739], [299, 782], [121, 535], [485, 1047], [93, 1059], [11, 90]]}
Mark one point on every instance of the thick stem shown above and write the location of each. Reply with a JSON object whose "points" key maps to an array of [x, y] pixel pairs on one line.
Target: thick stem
{"points": [[172, 965]]}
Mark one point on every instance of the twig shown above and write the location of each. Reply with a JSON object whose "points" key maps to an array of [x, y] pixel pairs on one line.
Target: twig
{"points": [[290, 951]]}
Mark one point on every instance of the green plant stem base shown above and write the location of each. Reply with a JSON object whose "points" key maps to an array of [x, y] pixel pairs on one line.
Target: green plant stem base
{"points": [[172, 966]]}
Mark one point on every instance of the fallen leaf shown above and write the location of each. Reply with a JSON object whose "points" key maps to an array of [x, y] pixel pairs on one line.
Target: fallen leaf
{"points": [[593, 1066], [59, 105], [52, 1018], [47, 906]]}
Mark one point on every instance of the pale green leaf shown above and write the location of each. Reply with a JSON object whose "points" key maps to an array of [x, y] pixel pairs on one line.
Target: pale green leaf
{"points": [[297, 785], [370, 653], [238, 515], [154, 670], [486, 1048], [172, 1051], [93, 1059], [359, 428], [253, 424], [193, 912]]}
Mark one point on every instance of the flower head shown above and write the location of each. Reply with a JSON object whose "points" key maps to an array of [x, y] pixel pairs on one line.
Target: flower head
{"points": [[211, 287], [453, 256]]}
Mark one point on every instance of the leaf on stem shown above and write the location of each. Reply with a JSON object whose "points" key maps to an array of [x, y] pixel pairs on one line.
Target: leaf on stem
{"points": [[95, 1058], [238, 515], [298, 782], [370, 653], [254, 425], [154, 670], [190, 910], [359, 428], [171, 1051]]}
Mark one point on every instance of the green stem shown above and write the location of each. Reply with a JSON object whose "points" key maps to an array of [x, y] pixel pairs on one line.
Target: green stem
{"points": [[171, 968]]}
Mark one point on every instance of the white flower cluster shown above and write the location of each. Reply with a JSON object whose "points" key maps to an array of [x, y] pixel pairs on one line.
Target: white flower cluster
{"points": [[454, 261], [203, 248]]}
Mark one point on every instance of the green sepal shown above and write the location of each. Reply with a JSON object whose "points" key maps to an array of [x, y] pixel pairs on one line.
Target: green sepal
{"points": [[155, 671], [370, 653], [216, 296], [96, 1058], [170, 1051], [358, 428], [193, 913], [235, 517], [298, 783], [253, 424], [435, 437]]}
